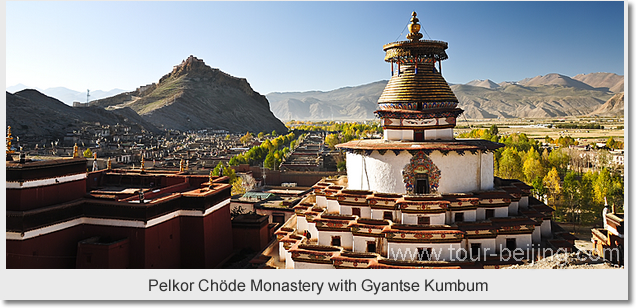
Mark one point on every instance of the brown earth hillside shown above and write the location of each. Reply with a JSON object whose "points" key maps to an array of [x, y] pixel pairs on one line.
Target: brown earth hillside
{"points": [[195, 96]]}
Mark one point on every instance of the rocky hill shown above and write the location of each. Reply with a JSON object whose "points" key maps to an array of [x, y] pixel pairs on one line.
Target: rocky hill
{"points": [[489, 84], [607, 81], [195, 96], [33, 114], [615, 106], [552, 95], [342, 104]]}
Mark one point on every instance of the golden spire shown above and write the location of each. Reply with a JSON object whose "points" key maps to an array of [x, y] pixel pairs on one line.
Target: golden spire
{"points": [[108, 165], [211, 177], [182, 166], [76, 151], [9, 138], [143, 163], [414, 29]]}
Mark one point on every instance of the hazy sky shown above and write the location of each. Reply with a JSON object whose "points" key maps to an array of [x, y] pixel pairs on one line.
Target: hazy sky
{"points": [[302, 46]]}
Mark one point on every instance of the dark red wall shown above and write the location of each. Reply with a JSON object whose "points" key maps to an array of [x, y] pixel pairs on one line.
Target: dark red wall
{"points": [[38, 197], [182, 242], [218, 237]]}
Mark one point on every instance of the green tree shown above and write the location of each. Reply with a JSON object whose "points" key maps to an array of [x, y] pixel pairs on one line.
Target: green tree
{"points": [[261, 135], [274, 133], [494, 130], [270, 161], [247, 138], [552, 183], [571, 196], [234, 161], [602, 185], [539, 189], [342, 166], [559, 159], [510, 166], [590, 210], [331, 140], [88, 153], [217, 170], [237, 187]]}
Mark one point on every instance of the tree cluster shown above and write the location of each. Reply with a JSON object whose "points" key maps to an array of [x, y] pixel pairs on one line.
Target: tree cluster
{"points": [[577, 194], [271, 152]]}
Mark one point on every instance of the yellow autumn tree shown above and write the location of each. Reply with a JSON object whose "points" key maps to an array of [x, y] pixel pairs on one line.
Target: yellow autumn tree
{"points": [[552, 183]]}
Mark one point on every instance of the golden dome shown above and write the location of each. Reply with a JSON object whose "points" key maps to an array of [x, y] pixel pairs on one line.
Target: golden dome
{"points": [[407, 89]]}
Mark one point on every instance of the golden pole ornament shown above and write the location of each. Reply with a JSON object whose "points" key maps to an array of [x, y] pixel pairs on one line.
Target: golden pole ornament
{"points": [[414, 29]]}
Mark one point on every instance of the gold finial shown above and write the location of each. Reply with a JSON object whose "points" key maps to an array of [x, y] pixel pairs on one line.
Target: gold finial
{"points": [[182, 166], [143, 163], [211, 176], [109, 165], [9, 138], [76, 151], [414, 29]]}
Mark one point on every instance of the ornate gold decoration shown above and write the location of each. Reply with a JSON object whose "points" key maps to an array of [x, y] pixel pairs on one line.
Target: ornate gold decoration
{"points": [[414, 29], [108, 164], [75, 151], [9, 139]]}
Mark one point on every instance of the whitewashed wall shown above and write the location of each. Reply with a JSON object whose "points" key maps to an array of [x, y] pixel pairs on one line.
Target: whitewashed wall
{"points": [[523, 203], [524, 241], [311, 227], [360, 243], [365, 211], [513, 208], [536, 235], [383, 173], [469, 215], [488, 246], [546, 229], [301, 224], [333, 206], [499, 212], [346, 238], [436, 218], [321, 201], [379, 214]]}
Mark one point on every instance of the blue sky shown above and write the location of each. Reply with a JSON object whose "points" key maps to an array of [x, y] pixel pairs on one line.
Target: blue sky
{"points": [[302, 46]]}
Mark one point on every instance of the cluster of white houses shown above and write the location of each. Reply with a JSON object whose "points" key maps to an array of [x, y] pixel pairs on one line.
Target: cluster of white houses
{"points": [[418, 198]]}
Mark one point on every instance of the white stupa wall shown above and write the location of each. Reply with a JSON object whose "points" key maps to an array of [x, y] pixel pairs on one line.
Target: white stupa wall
{"points": [[383, 173]]}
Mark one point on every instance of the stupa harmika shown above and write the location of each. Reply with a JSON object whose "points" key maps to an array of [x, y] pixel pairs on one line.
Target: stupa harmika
{"points": [[418, 197]]}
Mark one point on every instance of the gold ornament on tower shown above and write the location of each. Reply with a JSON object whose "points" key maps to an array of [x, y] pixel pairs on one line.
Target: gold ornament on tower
{"points": [[414, 29]]}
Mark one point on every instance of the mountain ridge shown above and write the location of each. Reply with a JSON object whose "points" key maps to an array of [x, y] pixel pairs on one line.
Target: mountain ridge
{"points": [[551, 95]]}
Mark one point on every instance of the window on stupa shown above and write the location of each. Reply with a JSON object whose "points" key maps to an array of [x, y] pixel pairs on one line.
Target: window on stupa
{"points": [[459, 217], [371, 246], [355, 211], [335, 241], [490, 213], [388, 215], [511, 244], [423, 220], [475, 249]]}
